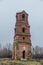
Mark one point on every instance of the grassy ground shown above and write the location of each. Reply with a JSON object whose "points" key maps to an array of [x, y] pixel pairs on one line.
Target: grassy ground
{"points": [[17, 62]]}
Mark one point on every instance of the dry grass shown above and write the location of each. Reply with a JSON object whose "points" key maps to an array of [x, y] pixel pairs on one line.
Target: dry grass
{"points": [[17, 62]]}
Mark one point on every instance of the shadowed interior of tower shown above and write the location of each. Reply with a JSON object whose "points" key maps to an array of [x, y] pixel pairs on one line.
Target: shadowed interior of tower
{"points": [[23, 54], [23, 17]]}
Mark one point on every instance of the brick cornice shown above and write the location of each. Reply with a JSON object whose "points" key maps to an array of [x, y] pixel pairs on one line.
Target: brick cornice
{"points": [[22, 41], [22, 34]]}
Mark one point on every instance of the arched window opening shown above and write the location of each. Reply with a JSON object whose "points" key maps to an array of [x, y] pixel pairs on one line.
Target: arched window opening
{"points": [[23, 17], [23, 38], [23, 29]]}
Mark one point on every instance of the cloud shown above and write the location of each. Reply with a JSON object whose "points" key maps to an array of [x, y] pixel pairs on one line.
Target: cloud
{"points": [[1, 0], [41, 0]]}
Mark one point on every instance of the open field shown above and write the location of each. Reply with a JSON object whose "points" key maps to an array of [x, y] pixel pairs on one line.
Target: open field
{"points": [[17, 62]]}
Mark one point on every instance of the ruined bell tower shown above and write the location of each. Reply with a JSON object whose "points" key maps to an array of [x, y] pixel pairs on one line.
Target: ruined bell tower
{"points": [[22, 38]]}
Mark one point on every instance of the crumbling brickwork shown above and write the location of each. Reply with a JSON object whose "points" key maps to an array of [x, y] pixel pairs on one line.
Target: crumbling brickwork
{"points": [[22, 38]]}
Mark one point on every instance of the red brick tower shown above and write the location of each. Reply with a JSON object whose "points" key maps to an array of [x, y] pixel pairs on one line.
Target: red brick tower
{"points": [[22, 37]]}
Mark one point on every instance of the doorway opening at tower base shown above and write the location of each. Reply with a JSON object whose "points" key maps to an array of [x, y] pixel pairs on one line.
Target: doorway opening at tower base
{"points": [[23, 53]]}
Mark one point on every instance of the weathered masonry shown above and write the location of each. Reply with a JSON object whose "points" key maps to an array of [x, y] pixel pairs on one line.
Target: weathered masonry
{"points": [[22, 38]]}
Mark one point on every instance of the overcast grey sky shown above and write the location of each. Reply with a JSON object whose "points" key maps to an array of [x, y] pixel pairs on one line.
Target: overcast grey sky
{"points": [[8, 9]]}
